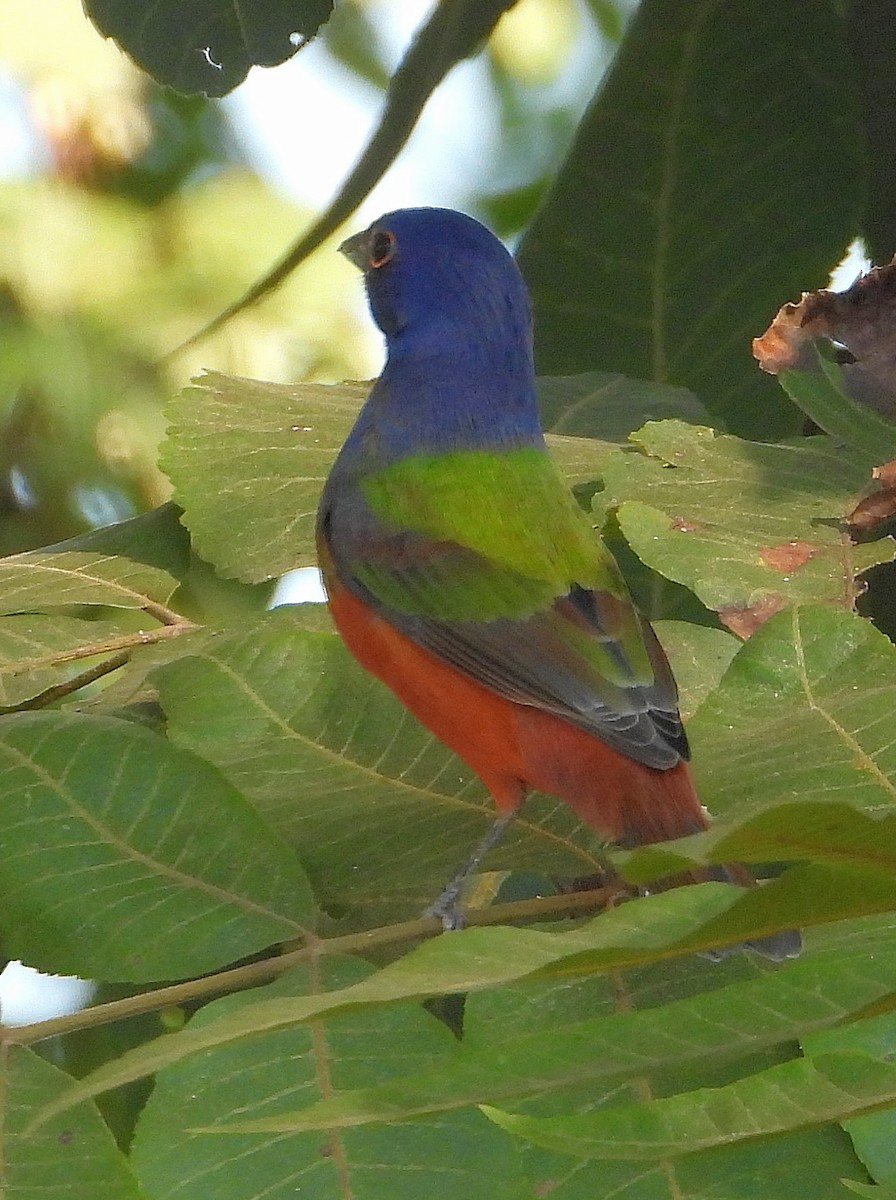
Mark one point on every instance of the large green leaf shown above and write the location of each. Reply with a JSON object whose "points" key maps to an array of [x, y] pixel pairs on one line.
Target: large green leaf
{"points": [[126, 858], [872, 45], [180, 1146], [804, 712], [745, 1171], [248, 460], [72, 1156], [208, 45], [718, 172], [742, 523], [872, 1136], [533, 1016]]}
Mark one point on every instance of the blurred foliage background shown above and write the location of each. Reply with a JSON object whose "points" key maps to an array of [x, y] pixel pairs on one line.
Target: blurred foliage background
{"points": [[132, 215]]}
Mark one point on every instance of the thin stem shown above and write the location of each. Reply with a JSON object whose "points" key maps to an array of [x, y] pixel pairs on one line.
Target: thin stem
{"points": [[123, 641], [167, 616], [172, 626], [60, 690]]}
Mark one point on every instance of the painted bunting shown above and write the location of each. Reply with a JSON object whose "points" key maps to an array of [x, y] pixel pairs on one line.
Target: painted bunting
{"points": [[460, 570]]}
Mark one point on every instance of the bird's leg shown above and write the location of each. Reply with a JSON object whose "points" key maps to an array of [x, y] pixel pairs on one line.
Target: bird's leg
{"points": [[445, 906]]}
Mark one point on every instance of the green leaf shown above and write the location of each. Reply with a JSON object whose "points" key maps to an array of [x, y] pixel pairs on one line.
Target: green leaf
{"points": [[823, 394], [872, 46], [699, 656], [815, 831], [741, 523], [380, 811], [715, 174], [873, 1136], [795, 1095], [156, 538], [601, 405], [745, 1171], [180, 1142], [208, 45], [125, 858], [804, 712], [74, 1155], [248, 461], [42, 579], [507, 1059]]}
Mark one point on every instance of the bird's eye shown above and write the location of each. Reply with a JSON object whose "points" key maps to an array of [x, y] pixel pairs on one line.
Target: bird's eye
{"points": [[382, 247]]}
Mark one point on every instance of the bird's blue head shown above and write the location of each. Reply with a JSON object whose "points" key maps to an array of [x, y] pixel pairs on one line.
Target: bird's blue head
{"points": [[431, 272], [456, 315]]}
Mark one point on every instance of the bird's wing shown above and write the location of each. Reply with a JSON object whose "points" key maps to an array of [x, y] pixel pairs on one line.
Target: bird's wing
{"points": [[497, 572]]}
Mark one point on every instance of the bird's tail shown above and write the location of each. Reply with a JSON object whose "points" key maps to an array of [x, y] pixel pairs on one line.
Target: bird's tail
{"points": [[677, 815], [628, 803]]}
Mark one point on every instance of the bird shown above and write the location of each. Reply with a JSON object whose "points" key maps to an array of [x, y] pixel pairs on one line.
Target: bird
{"points": [[461, 571]]}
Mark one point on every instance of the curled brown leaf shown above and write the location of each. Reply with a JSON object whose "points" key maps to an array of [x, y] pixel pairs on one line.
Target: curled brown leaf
{"points": [[860, 321]]}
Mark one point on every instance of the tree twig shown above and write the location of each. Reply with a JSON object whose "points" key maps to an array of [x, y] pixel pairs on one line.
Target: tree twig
{"points": [[253, 974]]}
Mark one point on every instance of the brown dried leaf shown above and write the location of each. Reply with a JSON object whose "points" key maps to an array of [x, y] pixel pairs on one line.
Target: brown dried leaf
{"points": [[862, 319], [876, 508], [885, 474]]}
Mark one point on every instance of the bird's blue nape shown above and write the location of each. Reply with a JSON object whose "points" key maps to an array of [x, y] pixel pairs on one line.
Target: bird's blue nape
{"points": [[456, 315]]}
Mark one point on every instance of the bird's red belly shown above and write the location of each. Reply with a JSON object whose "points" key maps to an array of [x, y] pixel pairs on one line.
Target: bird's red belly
{"points": [[514, 747]]}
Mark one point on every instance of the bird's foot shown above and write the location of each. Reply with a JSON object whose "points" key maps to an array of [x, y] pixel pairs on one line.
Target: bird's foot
{"points": [[447, 908], [446, 905]]}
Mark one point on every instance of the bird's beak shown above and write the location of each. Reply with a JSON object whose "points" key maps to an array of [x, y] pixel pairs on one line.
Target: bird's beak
{"points": [[357, 249]]}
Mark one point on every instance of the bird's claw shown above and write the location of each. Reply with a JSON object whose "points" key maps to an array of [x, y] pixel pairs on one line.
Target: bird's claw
{"points": [[447, 909]]}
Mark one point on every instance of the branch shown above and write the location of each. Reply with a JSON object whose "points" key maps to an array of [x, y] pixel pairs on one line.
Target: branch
{"points": [[252, 974]]}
